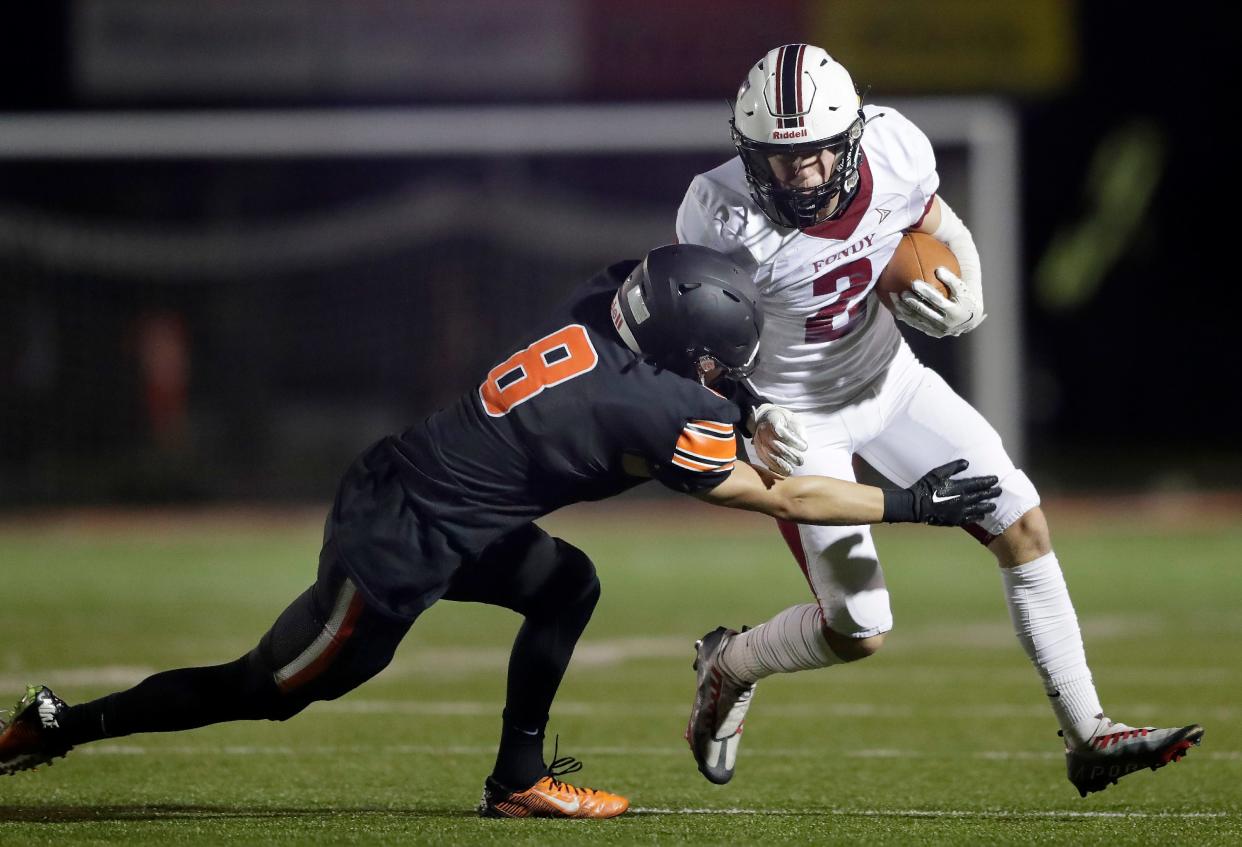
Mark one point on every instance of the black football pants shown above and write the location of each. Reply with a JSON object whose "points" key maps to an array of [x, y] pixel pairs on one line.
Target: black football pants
{"points": [[330, 640]]}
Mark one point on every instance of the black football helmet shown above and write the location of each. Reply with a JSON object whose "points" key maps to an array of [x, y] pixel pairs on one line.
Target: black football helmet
{"points": [[687, 307]]}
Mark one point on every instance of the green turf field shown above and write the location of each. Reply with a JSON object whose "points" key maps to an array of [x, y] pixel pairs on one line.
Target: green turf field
{"points": [[942, 738]]}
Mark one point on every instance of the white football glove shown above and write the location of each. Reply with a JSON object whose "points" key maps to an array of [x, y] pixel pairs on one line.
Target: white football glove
{"points": [[779, 439], [925, 308], [929, 311]]}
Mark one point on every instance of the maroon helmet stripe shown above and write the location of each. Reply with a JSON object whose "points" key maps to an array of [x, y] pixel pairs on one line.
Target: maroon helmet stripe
{"points": [[801, 56], [780, 63], [790, 60]]}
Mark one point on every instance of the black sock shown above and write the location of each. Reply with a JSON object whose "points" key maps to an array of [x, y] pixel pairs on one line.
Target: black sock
{"points": [[519, 762], [166, 702]]}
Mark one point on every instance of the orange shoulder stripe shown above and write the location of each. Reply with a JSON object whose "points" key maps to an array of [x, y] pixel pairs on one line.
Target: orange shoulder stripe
{"points": [[705, 447], [702, 446]]}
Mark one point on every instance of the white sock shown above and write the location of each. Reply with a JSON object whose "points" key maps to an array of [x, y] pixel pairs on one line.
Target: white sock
{"points": [[1047, 627], [792, 641]]}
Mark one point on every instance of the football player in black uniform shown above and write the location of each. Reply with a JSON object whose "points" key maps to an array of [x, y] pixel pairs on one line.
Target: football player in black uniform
{"points": [[614, 389]]}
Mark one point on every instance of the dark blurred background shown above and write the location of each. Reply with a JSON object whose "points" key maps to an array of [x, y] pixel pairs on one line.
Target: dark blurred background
{"points": [[195, 324]]}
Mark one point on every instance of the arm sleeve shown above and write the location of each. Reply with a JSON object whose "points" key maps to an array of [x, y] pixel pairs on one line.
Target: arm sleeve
{"points": [[955, 234]]}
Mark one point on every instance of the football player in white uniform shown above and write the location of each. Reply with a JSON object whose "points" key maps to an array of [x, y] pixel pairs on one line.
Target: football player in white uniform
{"points": [[815, 204]]}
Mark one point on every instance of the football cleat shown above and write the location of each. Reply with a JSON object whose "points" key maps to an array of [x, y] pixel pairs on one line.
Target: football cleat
{"points": [[720, 705], [1117, 750], [550, 798], [30, 734]]}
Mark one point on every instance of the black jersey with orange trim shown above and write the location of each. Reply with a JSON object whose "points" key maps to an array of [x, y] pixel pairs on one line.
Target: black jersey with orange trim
{"points": [[552, 423]]}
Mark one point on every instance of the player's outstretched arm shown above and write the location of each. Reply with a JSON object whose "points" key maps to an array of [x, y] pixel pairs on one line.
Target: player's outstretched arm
{"points": [[935, 499], [802, 499]]}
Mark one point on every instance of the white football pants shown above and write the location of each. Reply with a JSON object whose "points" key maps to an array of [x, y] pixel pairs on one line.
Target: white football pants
{"points": [[908, 422]]}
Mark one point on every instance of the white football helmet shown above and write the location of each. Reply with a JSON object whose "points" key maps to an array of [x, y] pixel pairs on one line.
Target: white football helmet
{"points": [[798, 99]]}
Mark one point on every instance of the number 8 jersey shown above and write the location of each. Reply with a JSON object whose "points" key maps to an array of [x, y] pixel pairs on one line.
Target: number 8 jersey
{"points": [[825, 336], [567, 414]]}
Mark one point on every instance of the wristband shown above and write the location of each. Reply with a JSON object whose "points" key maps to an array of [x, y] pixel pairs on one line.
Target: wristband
{"points": [[898, 506]]}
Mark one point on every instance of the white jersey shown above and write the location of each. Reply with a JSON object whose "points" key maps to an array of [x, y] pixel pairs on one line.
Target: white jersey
{"points": [[826, 336]]}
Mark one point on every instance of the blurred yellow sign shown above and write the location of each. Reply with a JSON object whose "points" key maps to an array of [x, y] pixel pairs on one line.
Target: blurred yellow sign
{"points": [[1025, 47]]}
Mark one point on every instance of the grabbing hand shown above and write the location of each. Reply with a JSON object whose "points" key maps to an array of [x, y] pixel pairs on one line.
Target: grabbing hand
{"points": [[779, 440], [941, 501]]}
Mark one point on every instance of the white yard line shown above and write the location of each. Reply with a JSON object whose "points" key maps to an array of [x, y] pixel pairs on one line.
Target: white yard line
{"points": [[767, 710], [110, 675], [429, 665]]}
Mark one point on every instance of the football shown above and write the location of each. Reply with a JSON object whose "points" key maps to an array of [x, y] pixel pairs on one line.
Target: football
{"points": [[917, 257]]}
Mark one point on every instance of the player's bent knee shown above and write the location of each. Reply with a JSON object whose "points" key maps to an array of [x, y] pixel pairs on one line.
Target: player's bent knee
{"points": [[1032, 529], [1018, 498], [1025, 540], [272, 695], [544, 576], [850, 649], [577, 574], [257, 696]]}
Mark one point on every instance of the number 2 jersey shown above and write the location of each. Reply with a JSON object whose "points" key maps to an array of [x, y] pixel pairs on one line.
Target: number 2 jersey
{"points": [[825, 336], [568, 414]]}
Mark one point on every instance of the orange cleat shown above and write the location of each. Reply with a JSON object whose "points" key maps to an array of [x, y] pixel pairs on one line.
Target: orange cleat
{"points": [[550, 798]]}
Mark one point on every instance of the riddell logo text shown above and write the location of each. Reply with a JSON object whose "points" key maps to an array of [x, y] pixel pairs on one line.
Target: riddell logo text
{"points": [[789, 133]]}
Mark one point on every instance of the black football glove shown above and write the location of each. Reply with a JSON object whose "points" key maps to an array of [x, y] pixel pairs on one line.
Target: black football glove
{"points": [[940, 501]]}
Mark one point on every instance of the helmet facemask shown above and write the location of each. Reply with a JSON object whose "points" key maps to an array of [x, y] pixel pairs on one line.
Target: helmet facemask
{"points": [[703, 362], [801, 208]]}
